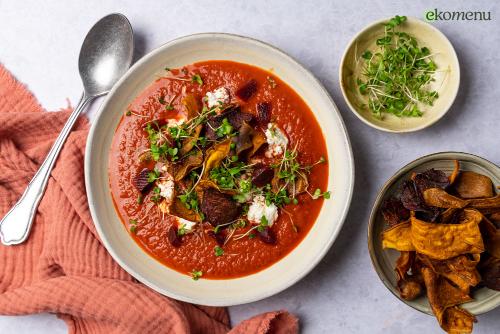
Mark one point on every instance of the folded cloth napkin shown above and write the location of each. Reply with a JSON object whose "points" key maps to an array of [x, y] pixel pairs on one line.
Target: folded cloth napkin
{"points": [[63, 267]]}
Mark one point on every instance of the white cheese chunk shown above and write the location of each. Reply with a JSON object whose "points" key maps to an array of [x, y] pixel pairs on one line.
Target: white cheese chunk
{"points": [[185, 224], [259, 209], [276, 139], [172, 122], [167, 189], [218, 97]]}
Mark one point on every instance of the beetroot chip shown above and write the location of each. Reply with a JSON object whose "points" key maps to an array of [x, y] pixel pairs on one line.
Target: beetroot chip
{"points": [[264, 112], [141, 181], [173, 237], [247, 91]]}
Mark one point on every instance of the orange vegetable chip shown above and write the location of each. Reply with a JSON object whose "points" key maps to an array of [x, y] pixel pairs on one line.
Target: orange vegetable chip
{"points": [[444, 241], [398, 237]]}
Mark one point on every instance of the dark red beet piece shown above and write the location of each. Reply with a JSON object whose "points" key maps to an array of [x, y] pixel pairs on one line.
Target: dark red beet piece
{"points": [[220, 237], [267, 235], [219, 208], [264, 112], [394, 212], [431, 178], [174, 238], [141, 181], [247, 91], [411, 198], [234, 116], [262, 175]]}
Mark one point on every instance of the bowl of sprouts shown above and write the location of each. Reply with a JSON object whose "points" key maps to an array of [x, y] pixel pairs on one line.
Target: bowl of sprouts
{"points": [[400, 74]]}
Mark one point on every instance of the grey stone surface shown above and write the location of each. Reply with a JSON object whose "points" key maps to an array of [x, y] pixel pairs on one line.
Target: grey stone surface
{"points": [[39, 43]]}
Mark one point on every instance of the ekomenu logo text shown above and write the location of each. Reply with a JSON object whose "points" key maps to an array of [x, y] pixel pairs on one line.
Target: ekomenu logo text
{"points": [[438, 15]]}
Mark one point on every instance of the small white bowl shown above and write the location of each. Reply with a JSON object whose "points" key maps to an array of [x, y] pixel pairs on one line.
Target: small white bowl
{"points": [[446, 83], [298, 262]]}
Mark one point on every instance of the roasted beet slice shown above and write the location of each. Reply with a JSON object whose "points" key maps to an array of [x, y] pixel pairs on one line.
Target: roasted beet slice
{"points": [[219, 208], [262, 175], [267, 235], [140, 181], [431, 178], [394, 212], [234, 116], [247, 91], [173, 237], [220, 237], [264, 112], [411, 197]]}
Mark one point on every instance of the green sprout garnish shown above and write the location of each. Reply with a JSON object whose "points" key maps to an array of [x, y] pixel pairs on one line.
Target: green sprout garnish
{"points": [[197, 78], [196, 274], [218, 251]]}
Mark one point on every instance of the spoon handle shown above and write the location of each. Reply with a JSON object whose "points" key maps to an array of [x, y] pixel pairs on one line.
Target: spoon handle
{"points": [[16, 225]]}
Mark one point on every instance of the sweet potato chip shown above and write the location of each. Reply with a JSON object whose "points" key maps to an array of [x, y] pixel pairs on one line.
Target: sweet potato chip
{"points": [[456, 171], [215, 155], [187, 164], [460, 270], [443, 298], [457, 321], [444, 241], [398, 237], [409, 287], [441, 199], [473, 185]]}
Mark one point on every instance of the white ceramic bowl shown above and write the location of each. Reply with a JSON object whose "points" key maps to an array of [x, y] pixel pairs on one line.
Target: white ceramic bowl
{"points": [[294, 266], [446, 83], [384, 260]]}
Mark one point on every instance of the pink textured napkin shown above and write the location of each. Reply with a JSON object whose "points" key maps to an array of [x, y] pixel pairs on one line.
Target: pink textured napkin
{"points": [[63, 268]]}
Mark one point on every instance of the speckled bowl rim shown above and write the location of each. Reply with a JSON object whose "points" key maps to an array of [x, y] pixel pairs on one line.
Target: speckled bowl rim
{"points": [[461, 156], [353, 108], [299, 271]]}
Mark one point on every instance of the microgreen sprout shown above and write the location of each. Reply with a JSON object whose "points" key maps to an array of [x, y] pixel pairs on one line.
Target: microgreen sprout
{"points": [[197, 78], [218, 251], [196, 274]]}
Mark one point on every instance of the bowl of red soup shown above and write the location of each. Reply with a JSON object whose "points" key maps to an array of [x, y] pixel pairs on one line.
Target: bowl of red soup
{"points": [[218, 170]]}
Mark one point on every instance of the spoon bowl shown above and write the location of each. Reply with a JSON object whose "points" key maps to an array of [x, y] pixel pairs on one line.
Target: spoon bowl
{"points": [[106, 54]]}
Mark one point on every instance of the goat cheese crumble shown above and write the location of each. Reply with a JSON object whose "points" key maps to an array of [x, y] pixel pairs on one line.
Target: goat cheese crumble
{"points": [[173, 122], [218, 97], [276, 139], [167, 189], [259, 209], [185, 224]]}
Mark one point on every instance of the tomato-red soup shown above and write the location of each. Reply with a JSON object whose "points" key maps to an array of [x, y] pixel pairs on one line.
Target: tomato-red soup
{"points": [[246, 247]]}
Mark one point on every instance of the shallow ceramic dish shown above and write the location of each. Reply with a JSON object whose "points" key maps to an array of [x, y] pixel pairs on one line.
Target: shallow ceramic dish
{"points": [[446, 83], [384, 260], [304, 257]]}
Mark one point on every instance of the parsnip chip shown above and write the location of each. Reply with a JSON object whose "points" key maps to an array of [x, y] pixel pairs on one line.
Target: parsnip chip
{"points": [[485, 203], [444, 241], [440, 198], [473, 185]]}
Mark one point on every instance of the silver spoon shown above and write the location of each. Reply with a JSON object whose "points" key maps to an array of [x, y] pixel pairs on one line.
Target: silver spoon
{"points": [[106, 54]]}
